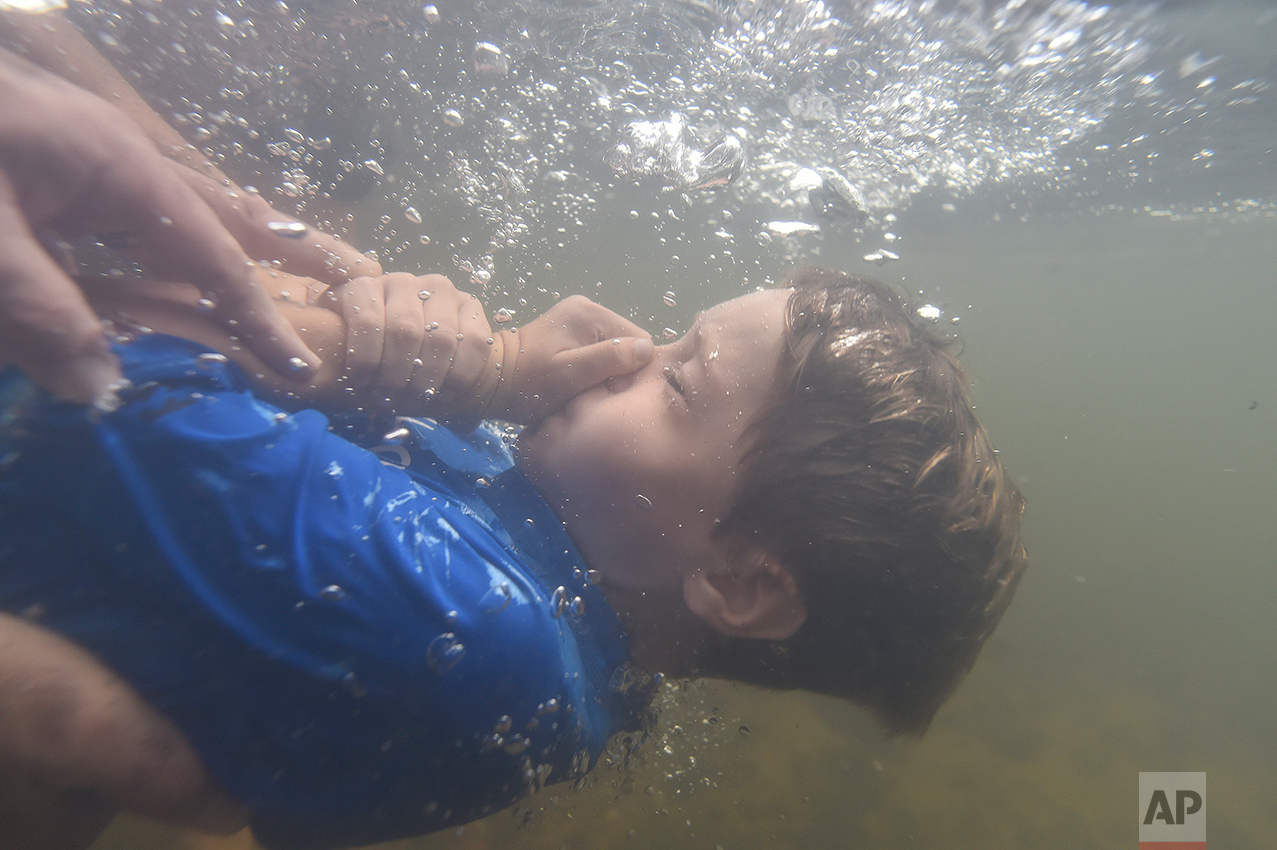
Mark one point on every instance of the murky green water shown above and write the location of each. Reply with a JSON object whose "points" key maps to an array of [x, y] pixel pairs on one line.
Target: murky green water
{"points": [[1116, 360], [1123, 359]]}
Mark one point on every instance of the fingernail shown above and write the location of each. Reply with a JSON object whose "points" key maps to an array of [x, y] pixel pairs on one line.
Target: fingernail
{"points": [[94, 380], [108, 401], [643, 350], [288, 229], [300, 367]]}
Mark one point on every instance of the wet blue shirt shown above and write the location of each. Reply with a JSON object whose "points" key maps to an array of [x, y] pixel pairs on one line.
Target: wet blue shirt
{"points": [[362, 643]]}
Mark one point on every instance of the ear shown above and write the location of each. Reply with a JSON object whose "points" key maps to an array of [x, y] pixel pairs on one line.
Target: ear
{"points": [[751, 594]]}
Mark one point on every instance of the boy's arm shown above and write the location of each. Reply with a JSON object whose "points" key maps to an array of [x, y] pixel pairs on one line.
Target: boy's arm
{"points": [[420, 343]]}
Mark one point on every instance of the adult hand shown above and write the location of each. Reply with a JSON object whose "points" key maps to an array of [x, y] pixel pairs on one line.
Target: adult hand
{"points": [[77, 744], [265, 234], [71, 163], [573, 346]]}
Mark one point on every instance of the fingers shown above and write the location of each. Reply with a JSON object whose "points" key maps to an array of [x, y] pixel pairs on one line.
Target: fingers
{"points": [[406, 319], [474, 345], [269, 235], [455, 346], [412, 340], [72, 724], [364, 309], [79, 164], [182, 238], [573, 346], [593, 319], [594, 364], [46, 327]]}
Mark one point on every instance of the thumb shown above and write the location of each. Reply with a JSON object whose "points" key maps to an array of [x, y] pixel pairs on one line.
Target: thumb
{"points": [[594, 364]]}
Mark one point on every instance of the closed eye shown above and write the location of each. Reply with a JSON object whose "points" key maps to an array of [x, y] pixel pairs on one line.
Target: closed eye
{"points": [[672, 378]]}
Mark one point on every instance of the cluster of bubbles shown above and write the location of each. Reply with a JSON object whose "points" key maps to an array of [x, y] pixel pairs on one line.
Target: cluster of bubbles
{"points": [[663, 149], [502, 133]]}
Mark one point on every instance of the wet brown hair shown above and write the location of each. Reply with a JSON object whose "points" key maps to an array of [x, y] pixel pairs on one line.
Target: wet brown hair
{"points": [[869, 476]]}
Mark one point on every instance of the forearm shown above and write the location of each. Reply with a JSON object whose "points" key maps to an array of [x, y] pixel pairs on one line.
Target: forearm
{"points": [[49, 41]]}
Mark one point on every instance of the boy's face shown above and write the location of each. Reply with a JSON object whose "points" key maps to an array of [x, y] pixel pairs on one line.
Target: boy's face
{"points": [[641, 468]]}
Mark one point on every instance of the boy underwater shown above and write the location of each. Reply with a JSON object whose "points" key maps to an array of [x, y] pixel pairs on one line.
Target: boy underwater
{"points": [[796, 494]]}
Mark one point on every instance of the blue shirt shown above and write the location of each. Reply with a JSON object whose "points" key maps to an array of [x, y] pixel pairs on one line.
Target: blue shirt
{"points": [[362, 643]]}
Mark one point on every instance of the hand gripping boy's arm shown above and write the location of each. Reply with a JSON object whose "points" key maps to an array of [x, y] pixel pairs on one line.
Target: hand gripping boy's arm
{"points": [[52, 43], [386, 346], [71, 163]]}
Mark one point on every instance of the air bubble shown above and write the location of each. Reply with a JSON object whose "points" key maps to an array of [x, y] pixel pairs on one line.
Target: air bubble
{"points": [[374, 166], [642, 502], [412, 215], [424, 295], [444, 653], [489, 61], [503, 316], [792, 228], [352, 683], [496, 600], [559, 601], [669, 299], [332, 592]]}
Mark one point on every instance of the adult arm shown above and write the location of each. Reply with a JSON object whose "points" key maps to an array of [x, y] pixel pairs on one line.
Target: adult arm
{"points": [[77, 744], [71, 163], [51, 42]]}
